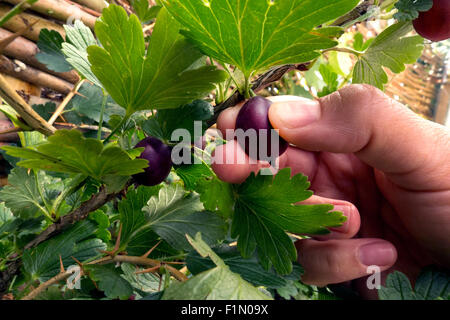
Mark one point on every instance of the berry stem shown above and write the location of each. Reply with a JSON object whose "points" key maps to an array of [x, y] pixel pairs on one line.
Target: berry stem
{"points": [[100, 122], [124, 120]]}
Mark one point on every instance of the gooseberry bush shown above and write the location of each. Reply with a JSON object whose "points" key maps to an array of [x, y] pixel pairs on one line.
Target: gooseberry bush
{"points": [[109, 214]]}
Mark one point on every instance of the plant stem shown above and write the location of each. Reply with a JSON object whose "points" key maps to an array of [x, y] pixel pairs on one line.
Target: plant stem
{"points": [[346, 50], [232, 76], [124, 120], [387, 3], [247, 88], [47, 211], [389, 15], [100, 123], [78, 182]]}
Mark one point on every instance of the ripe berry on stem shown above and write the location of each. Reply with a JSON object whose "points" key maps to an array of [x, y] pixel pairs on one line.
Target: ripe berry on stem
{"points": [[255, 115], [159, 157], [434, 24]]}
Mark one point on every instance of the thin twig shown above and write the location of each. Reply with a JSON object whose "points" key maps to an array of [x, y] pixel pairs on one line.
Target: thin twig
{"points": [[63, 275], [65, 102], [30, 117], [11, 130], [7, 41], [95, 202], [88, 10], [357, 12], [83, 127], [41, 288], [151, 263]]}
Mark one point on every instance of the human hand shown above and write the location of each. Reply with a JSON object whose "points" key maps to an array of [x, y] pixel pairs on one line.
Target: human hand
{"points": [[384, 167]]}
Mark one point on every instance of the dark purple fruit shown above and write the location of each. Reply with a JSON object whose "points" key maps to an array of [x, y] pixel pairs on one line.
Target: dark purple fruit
{"points": [[435, 23], [255, 115], [159, 159]]}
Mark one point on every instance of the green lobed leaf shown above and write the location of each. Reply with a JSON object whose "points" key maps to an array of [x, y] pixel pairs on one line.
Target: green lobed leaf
{"points": [[218, 283], [42, 262], [397, 287], [391, 49], [359, 44], [409, 9], [145, 12], [23, 196], [56, 293], [17, 227], [160, 79], [216, 195], [432, 284], [8, 223], [172, 215], [249, 269], [146, 239], [330, 78], [50, 54], [131, 215], [110, 281], [145, 283], [89, 103], [167, 212], [103, 222], [192, 174], [78, 38], [136, 238], [266, 209], [72, 116], [68, 151], [255, 35], [165, 122]]}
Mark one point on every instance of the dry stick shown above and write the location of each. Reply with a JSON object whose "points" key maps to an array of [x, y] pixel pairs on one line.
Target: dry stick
{"points": [[64, 103], [6, 41], [25, 51], [63, 275], [82, 128], [151, 263], [34, 76], [97, 5], [81, 213], [56, 279], [30, 116], [95, 13], [24, 19], [6, 276], [11, 130], [60, 10], [357, 12], [125, 5], [21, 6], [94, 203]]}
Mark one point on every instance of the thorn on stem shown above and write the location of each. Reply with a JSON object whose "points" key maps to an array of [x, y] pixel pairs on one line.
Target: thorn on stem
{"points": [[149, 270], [145, 255], [61, 265], [115, 250]]}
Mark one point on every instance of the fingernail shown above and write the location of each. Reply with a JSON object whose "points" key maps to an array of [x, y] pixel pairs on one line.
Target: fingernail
{"points": [[379, 253], [346, 225], [295, 114]]}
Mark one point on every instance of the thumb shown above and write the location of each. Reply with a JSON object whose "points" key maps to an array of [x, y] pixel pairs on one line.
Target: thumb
{"points": [[361, 119]]}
